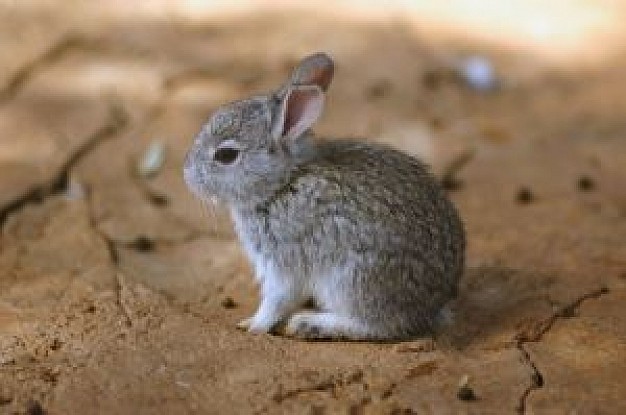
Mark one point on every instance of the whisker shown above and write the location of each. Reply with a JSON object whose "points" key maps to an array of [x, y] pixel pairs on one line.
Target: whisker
{"points": [[216, 216]]}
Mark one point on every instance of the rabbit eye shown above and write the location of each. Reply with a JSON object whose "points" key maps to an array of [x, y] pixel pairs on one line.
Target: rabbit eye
{"points": [[226, 155]]}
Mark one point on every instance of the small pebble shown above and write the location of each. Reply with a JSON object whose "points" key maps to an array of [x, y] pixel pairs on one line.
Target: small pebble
{"points": [[465, 392], [159, 199], [74, 190], [152, 160], [586, 184], [55, 344], [228, 302], [525, 196], [478, 73], [33, 407], [143, 244]]}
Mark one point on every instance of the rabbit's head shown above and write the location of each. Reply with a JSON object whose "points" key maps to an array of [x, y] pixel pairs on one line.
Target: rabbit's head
{"points": [[247, 148]]}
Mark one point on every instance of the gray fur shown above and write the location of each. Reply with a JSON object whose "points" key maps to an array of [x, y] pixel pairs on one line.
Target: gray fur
{"points": [[362, 230]]}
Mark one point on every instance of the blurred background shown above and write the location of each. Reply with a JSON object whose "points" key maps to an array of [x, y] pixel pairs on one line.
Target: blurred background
{"points": [[518, 105]]}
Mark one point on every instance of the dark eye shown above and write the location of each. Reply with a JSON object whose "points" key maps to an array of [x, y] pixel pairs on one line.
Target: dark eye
{"points": [[226, 155]]}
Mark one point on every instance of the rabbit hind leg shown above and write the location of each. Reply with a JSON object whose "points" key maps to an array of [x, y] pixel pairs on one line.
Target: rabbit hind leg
{"points": [[314, 325]]}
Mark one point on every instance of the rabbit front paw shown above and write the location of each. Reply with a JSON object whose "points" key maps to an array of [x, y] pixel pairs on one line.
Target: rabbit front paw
{"points": [[257, 325], [244, 324]]}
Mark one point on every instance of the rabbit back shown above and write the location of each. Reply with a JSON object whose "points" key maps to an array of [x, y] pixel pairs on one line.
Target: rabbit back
{"points": [[366, 230]]}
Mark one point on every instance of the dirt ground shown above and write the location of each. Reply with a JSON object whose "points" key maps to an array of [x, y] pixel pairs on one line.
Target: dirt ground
{"points": [[119, 294]]}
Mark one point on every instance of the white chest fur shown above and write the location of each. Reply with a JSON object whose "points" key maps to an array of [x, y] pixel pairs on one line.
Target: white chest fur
{"points": [[263, 267]]}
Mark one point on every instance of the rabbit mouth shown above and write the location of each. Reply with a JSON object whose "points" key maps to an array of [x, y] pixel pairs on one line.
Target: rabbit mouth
{"points": [[197, 186], [201, 194], [191, 179], [194, 181]]}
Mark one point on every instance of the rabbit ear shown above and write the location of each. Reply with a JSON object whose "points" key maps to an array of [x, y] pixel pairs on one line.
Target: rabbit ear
{"points": [[316, 69], [302, 99], [299, 110]]}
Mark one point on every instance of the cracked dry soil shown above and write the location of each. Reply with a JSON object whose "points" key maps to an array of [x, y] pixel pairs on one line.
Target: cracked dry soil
{"points": [[120, 294]]}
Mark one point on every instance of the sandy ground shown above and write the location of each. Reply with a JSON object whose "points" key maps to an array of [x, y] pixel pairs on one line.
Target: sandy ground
{"points": [[115, 290]]}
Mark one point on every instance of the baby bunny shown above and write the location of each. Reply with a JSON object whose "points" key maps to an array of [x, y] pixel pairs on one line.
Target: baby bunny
{"points": [[361, 231]]}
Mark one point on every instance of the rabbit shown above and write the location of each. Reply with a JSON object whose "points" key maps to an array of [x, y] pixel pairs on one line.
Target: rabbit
{"points": [[360, 231]]}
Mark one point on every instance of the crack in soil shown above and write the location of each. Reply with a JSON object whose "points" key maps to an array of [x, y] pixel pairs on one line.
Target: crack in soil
{"points": [[23, 75], [324, 386], [327, 385], [113, 257], [69, 42], [175, 82], [536, 335], [536, 379], [118, 120], [449, 178], [119, 298], [333, 386], [142, 244]]}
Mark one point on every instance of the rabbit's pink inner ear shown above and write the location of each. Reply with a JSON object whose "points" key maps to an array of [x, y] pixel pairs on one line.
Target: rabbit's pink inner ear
{"points": [[316, 69], [302, 107], [321, 77]]}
